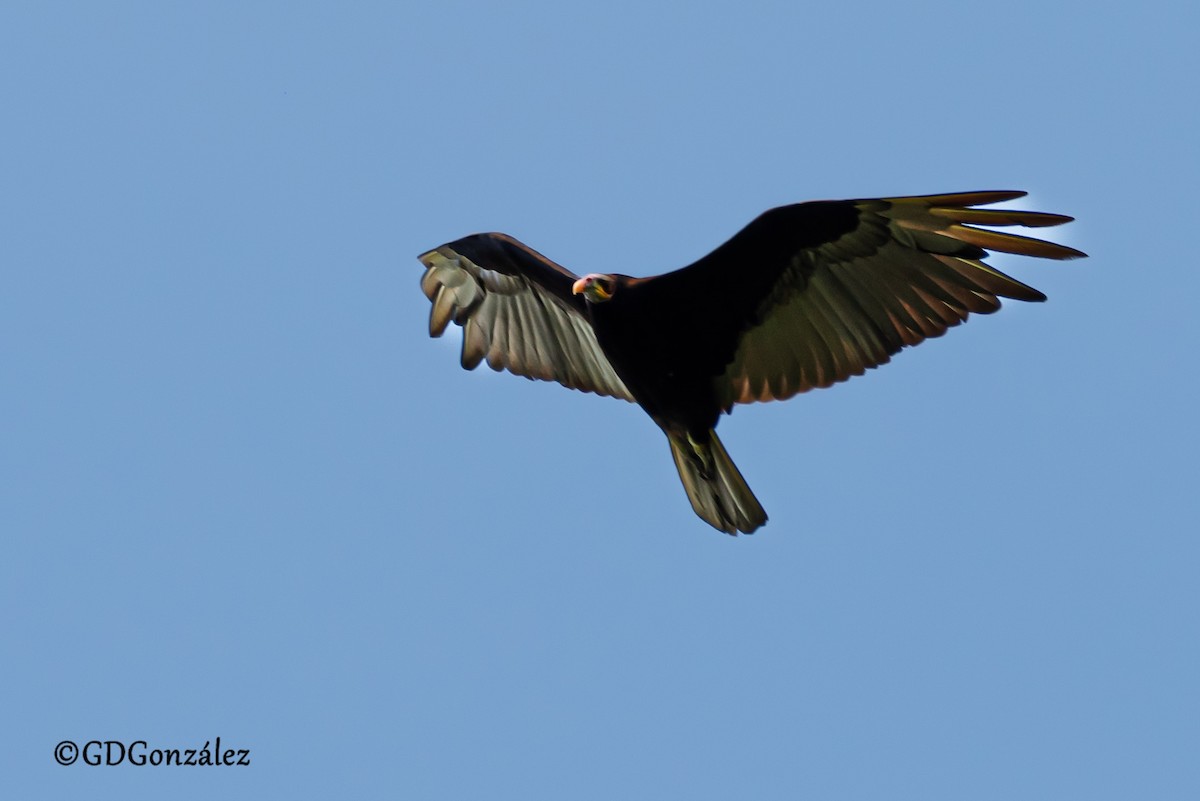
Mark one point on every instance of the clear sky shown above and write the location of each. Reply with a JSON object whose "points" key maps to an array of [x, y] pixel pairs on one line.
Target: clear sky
{"points": [[243, 494]]}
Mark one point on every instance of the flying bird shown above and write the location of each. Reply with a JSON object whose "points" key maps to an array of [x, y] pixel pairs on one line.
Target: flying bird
{"points": [[805, 296]]}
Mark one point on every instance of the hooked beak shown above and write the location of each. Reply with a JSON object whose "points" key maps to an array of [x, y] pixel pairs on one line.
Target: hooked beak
{"points": [[579, 286]]}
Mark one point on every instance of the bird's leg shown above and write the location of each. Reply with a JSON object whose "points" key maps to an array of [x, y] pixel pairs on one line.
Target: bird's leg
{"points": [[702, 455]]}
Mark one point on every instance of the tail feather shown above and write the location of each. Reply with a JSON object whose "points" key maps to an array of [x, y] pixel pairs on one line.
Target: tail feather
{"points": [[719, 494]]}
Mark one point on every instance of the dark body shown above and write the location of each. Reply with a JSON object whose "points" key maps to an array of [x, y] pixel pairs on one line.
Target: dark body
{"points": [[670, 353]]}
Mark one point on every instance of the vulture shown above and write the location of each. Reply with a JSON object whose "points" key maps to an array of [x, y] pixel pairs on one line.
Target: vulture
{"points": [[805, 296]]}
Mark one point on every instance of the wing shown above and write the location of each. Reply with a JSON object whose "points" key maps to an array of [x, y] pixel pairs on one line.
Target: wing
{"points": [[815, 293], [516, 310]]}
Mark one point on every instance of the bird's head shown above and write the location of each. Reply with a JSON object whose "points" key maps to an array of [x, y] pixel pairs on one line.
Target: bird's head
{"points": [[595, 287]]}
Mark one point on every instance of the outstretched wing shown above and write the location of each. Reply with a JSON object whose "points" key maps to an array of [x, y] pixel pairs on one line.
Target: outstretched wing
{"points": [[517, 311], [815, 293]]}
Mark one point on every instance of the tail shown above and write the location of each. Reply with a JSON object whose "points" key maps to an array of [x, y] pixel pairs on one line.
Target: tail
{"points": [[716, 489]]}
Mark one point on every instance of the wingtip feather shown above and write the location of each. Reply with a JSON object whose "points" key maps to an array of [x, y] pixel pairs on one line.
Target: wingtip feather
{"points": [[961, 199], [1012, 243]]}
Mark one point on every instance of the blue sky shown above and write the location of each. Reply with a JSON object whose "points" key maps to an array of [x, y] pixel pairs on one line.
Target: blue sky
{"points": [[243, 493]]}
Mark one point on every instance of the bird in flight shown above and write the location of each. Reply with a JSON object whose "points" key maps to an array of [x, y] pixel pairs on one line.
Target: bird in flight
{"points": [[805, 296]]}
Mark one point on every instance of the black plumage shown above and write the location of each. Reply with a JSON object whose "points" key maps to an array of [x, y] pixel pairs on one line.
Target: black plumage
{"points": [[804, 296]]}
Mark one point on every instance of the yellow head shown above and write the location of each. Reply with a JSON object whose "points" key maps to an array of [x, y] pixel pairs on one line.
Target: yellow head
{"points": [[595, 287]]}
